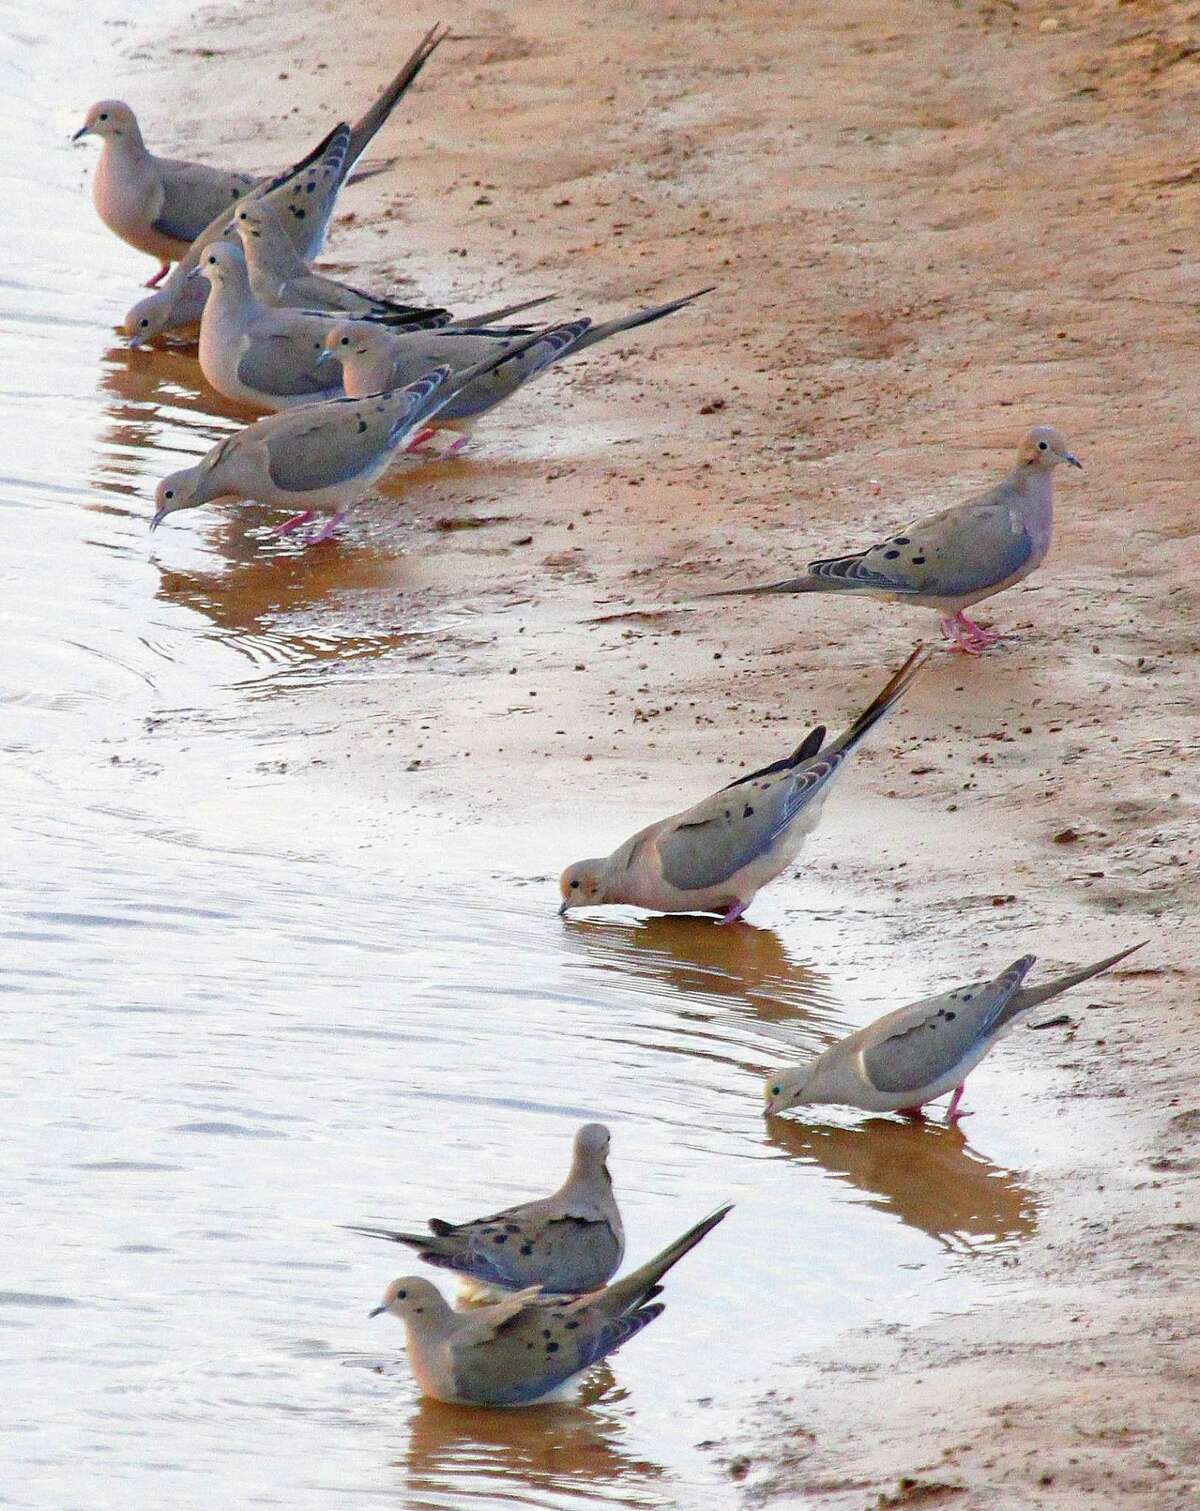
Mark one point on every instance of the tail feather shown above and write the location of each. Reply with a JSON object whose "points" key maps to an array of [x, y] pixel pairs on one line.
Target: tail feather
{"points": [[640, 1285], [805, 584], [413, 1240], [1033, 996], [807, 748], [367, 125], [887, 699], [490, 317], [643, 317]]}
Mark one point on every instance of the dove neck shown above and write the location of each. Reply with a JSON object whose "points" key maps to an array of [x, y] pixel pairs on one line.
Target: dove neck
{"points": [[1034, 488]]}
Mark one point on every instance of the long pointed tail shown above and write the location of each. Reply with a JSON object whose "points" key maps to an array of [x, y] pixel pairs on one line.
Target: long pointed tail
{"points": [[643, 317], [805, 584], [1032, 996], [413, 1240], [490, 317], [367, 125], [887, 699], [641, 1284]]}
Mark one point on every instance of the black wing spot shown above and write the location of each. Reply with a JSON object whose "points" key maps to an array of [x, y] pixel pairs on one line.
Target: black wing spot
{"points": [[551, 1348], [891, 555], [901, 540], [527, 1249], [500, 1238], [747, 811], [918, 561]]}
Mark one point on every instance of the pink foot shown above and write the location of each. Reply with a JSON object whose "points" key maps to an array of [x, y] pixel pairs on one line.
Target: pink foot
{"points": [[913, 1114], [421, 439], [328, 529], [455, 446], [953, 1115], [153, 283], [292, 524], [970, 638], [732, 913]]}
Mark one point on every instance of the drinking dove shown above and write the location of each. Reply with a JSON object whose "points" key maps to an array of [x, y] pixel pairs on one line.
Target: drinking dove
{"points": [[714, 857], [523, 1348], [160, 205], [920, 1052], [373, 356], [322, 455], [957, 558], [570, 1242]]}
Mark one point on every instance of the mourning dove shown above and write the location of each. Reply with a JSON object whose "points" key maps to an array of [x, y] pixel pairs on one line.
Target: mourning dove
{"points": [[527, 1346], [160, 205], [920, 1052], [961, 556], [570, 1242], [714, 857], [318, 456], [374, 357]]}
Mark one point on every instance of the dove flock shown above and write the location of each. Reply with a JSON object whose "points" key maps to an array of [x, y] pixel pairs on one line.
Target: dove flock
{"points": [[349, 378]]}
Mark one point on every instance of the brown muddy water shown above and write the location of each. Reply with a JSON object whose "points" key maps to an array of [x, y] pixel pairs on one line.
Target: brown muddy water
{"points": [[230, 1025]]}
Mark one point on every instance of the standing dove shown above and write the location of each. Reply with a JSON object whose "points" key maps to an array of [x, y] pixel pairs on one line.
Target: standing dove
{"points": [[374, 356], [160, 205], [920, 1052], [714, 857], [318, 456], [951, 560], [570, 1242], [523, 1348]]}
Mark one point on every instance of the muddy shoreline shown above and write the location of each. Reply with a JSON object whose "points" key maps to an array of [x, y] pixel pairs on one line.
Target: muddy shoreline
{"points": [[930, 228]]}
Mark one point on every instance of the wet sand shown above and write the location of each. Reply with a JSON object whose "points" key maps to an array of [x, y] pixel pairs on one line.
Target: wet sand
{"points": [[930, 228]]}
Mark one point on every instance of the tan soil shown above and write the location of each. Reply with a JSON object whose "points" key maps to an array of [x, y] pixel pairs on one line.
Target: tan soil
{"points": [[932, 224]]}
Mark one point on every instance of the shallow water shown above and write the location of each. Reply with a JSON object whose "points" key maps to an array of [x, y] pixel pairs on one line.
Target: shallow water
{"points": [[230, 1032]]}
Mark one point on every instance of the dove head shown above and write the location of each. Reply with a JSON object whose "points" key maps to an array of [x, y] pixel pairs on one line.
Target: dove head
{"points": [[179, 491], [413, 1300], [1043, 448], [583, 885], [112, 120], [149, 317], [222, 262], [358, 336], [789, 1088], [591, 1146]]}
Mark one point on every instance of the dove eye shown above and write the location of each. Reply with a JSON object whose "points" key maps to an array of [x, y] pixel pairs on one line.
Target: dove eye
{"points": [[143, 323], [775, 1090], [104, 115], [1042, 446], [170, 493], [345, 340], [574, 886], [401, 1295]]}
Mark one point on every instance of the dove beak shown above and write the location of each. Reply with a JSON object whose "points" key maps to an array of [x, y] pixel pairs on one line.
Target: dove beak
{"points": [[83, 131], [136, 343], [194, 274], [562, 907], [1072, 460], [326, 353], [377, 1311], [159, 516]]}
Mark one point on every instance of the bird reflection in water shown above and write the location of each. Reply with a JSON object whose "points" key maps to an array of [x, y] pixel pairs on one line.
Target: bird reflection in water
{"points": [[925, 1174], [690, 956], [570, 1451]]}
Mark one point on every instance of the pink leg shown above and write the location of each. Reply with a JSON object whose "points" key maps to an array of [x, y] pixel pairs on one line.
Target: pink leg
{"points": [[153, 283], [328, 529], [292, 524], [732, 913], [953, 1115], [913, 1114], [455, 446], [421, 439], [970, 638]]}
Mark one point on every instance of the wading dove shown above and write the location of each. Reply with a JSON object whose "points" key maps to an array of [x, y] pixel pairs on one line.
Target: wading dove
{"points": [[527, 1346], [949, 561], [714, 857], [920, 1052], [374, 357], [160, 205], [570, 1242], [319, 456]]}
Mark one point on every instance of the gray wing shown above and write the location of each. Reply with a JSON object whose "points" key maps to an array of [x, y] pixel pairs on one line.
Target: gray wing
{"points": [[923, 1042], [957, 551], [714, 840], [565, 1254], [493, 387], [194, 195], [285, 364], [322, 449]]}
